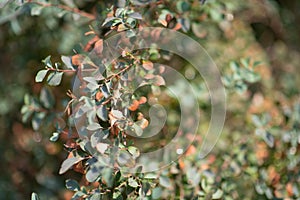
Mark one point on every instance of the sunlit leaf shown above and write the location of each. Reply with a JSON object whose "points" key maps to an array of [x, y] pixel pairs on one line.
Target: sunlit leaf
{"points": [[102, 113], [218, 194], [54, 78], [47, 61], [34, 196], [46, 97], [165, 182], [132, 183], [101, 147], [68, 163], [93, 127], [41, 75], [67, 61], [72, 185], [54, 137]]}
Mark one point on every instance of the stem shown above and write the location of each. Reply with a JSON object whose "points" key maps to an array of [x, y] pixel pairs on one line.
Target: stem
{"points": [[61, 70], [70, 70], [64, 7], [117, 74]]}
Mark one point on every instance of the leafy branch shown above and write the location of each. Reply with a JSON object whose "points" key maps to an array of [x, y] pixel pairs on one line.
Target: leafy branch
{"points": [[66, 8]]}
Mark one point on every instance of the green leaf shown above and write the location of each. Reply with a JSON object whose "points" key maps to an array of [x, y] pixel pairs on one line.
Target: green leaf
{"points": [[125, 159], [199, 30], [157, 192], [67, 61], [92, 174], [256, 120], [54, 78], [252, 77], [206, 187], [72, 185], [68, 163], [105, 90], [54, 137], [185, 24], [107, 175], [47, 61], [234, 66], [218, 194], [24, 109], [101, 147], [165, 182], [135, 15], [26, 116], [256, 63], [47, 98], [150, 176], [41, 75], [37, 120], [137, 129], [34, 196], [108, 19], [182, 6], [240, 87], [36, 10], [193, 176], [132, 183], [117, 195], [117, 114], [245, 62], [102, 113], [96, 196], [77, 195], [92, 83], [93, 127], [27, 99], [134, 151], [269, 139]]}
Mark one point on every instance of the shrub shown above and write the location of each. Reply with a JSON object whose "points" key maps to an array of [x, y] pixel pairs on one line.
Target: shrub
{"points": [[122, 89]]}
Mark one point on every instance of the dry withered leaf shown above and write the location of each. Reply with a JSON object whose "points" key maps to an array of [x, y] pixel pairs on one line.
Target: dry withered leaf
{"points": [[134, 106], [148, 65], [98, 96], [77, 59]]}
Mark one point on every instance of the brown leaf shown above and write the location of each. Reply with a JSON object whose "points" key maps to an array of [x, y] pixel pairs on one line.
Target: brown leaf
{"points": [[149, 76], [142, 100], [90, 33], [121, 27], [143, 123], [177, 27], [191, 150], [159, 80], [77, 59], [134, 106], [148, 65], [98, 48], [168, 18], [99, 96], [89, 45], [181, 164], [79, 168], [289, 189]]}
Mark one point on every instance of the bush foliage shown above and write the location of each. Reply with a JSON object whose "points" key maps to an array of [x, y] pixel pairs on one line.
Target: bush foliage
{"points": [[81, 113]]}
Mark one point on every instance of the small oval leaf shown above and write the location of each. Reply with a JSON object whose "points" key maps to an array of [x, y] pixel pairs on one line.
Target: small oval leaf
{"points": [[41, 75]]}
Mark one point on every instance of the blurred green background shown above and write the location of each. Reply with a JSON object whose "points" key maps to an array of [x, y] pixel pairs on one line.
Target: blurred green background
{"points": [[30, 162]]}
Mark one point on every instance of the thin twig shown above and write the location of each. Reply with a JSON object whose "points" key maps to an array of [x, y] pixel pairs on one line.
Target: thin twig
{"points": [[71, 70], [64, 7], [117, 74], [61, 70]]}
